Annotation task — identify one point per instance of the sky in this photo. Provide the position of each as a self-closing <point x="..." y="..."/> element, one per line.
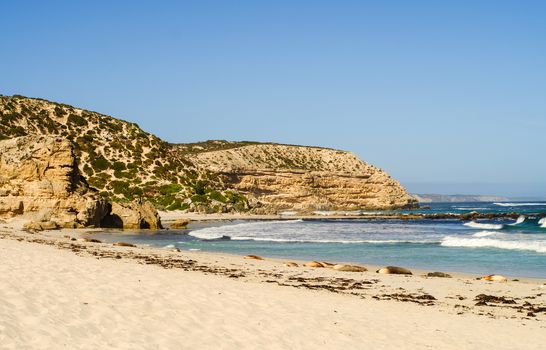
<point x="447" y="96"/>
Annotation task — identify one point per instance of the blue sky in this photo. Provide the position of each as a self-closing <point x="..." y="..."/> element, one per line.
<point x="448" y="96"/>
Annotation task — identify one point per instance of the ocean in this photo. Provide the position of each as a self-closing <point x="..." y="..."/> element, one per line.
<point x="484" y="246"/>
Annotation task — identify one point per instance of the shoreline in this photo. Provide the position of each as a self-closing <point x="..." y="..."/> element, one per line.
<point x="199" y="221"/>
<point x="184" y="286"/>
<point x="171" y="216"/>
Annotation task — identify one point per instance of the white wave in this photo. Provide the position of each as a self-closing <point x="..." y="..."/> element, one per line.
<point x="467" y="208"/>
<point x="520" y="220"/>
<point x="295" y="240"/>
<point x="506" y="204"/>
<point x="324" y="212"/>
<point x="218" y="232"/>
<point x="480" y="225"/>
<point x="194" y="249"/>
<point x="484" y="233"/>
<point x="542" y="222"/>
<point x="537" y="246"/>
<point x="169" y="246"/>
<point x="289" y="221"/>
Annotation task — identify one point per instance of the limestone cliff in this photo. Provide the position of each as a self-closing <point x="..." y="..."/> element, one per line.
<point x="39" y="178"/>
<point x="125" y="163"/>
<point x="305" y="178"/>
<point x="38" y="173"/>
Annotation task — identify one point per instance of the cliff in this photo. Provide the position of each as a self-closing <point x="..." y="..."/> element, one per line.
<point x="39" y="178"/>
<point x="304" y="178"/>
<point x="125" y="163"/>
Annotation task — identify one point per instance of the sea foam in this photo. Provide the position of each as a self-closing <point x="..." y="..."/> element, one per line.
<point x="483" y="226"/>
<point x="537" y="246"/>
<point x="520" y="220"/>
<point x="342" y="241"/>
<point x="503" y="204"/>
<point x="484" y="233"/>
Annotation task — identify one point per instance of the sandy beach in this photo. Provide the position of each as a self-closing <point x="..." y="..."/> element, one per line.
<point x="58" y="291"/>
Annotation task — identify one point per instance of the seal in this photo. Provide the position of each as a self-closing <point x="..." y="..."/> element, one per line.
<point x="123" y="244"/>
<point x="313" y="264"/>
<point x="438" y="274"/>
<point x="495" y="278"/>
<point x="394" y="270"/>
<point x="253" y="257"/>
<point x="290" y="264"/>
<point x="349" y="268"/>
<point x="327" y="264"/>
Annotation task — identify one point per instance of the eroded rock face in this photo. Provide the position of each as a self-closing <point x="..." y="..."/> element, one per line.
<point x="305" y="178"/>
<point x="40" y="173"/>
<point x="39" y="178"/>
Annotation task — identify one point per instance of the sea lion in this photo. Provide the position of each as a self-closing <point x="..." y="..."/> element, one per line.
<point x="495" y="278"/>
<point x="438" y="274"/>
<point x="290" y="264"/>
<point x="327" y="264"/>
<point x="91" y="240"/>
<point x="123" y="244"/>
<point x="253" y="257"/>
<point x="394" y="270"/>
<point x="313" y="264"/>
<point x="349" y="268"/>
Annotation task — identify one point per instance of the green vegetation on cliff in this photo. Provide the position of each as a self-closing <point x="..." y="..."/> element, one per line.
<point x="118" y="158"/>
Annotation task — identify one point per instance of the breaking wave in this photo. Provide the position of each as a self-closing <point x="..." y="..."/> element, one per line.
<point x="503" y="204"/>
<point x="224" y="232"/>
<point x="483" y="226"/>
<point x="520" y="220"/>
<point x="484" y="233"/>
<point x="536" y="246"/>
<point x="342" y="241"/>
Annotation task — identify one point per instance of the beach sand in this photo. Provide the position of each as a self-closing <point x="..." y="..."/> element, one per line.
<point x="59" y="293"/>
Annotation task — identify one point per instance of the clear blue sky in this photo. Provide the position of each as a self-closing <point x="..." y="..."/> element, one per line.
<point x="448" y="96"/>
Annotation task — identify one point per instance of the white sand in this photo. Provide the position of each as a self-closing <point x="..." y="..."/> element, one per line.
<point x="53" y="299"/>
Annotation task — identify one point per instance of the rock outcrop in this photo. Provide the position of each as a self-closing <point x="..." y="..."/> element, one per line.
<point x="39" y="173"/>
<point x="133" y="215"/>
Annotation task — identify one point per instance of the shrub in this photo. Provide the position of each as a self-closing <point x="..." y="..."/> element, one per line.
<point x="198" y="198"/>
<point x="200" y="187"/>
<point x="119" y="166"/>
<point x="100" y="163"/>
<point x="77" y="120"/>
<point x="176" y="205"/>
<point x="170" y="189"/>
<point x="217" y="196"/>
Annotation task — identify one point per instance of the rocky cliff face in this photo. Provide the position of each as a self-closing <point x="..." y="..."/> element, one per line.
<point x="304" y="178"/>
<point x="38" y="173"/>
<point x="39" y="178"/>
<point x="125" y="163"/>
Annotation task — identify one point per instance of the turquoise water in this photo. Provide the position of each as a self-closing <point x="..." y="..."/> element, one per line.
<point x="509" y="247"/>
